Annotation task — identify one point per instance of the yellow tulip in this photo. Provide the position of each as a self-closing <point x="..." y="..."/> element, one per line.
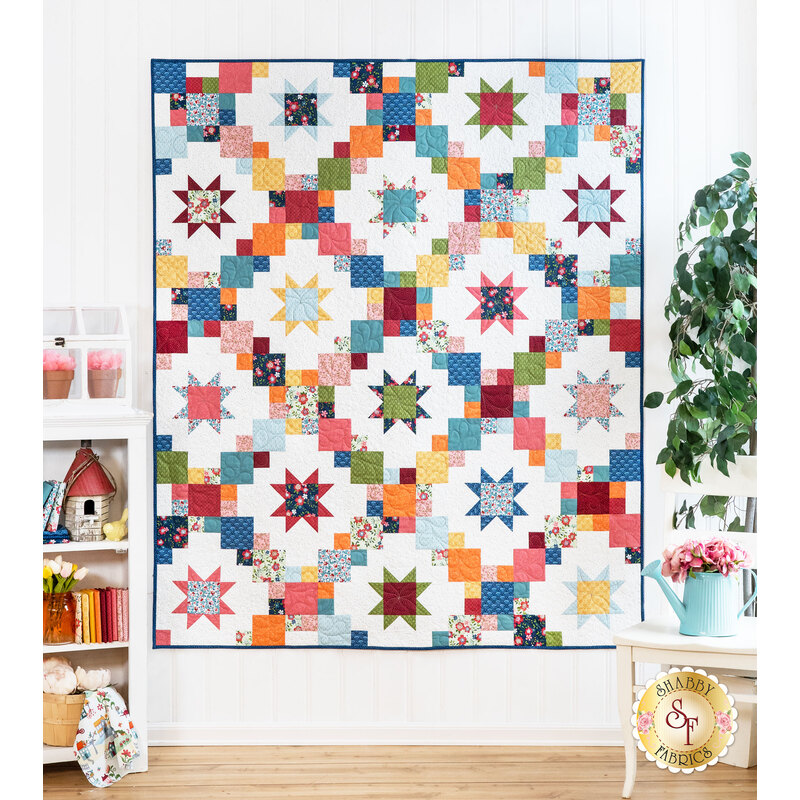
<point x="47" y="572"/>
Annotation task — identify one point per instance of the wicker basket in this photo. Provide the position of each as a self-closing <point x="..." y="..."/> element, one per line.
<point x="61" y="714"/>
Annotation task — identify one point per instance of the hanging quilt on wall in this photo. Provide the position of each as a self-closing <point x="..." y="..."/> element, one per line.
<point x="397" y="353"/>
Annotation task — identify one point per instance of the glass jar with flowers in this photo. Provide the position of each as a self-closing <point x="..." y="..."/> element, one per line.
<point x="58" y="578"/>
<point x="709" y="571"/>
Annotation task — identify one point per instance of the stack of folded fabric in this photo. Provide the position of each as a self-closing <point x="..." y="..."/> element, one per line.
<point x="58" y="536"/>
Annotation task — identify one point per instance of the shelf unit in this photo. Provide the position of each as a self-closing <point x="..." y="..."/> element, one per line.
<point x="126" y="431"/>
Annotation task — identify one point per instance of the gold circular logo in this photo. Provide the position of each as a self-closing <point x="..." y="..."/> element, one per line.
<point x="684" y="720"/>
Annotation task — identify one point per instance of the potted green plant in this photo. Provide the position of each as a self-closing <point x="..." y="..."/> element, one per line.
<point x="712" y="310"/>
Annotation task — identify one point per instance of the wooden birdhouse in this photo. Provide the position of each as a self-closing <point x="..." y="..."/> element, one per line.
<point x="90" y="488"/>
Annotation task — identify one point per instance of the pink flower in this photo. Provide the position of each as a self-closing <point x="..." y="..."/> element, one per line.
<point x="715" y="555"/>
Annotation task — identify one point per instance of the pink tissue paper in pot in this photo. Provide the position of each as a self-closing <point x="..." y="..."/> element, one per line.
<point x="105" y="359"/>
<point x="57" y="359"/>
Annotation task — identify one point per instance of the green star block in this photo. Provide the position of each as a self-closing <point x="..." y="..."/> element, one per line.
<point x="400" y="402"/>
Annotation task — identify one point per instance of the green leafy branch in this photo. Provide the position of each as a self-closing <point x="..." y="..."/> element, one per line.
<point x="712" y="308"/>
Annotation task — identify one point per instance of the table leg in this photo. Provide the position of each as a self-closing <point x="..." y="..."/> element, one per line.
<point x="625" y="682"/>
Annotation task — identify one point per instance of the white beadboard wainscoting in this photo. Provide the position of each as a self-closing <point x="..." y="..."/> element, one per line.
<point x="699" y="107"/>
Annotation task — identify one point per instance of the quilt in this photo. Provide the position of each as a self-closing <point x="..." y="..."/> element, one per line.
<point x="397" y="353"/>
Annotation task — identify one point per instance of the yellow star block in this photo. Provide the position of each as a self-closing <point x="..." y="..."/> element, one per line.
<point x="594" y="597"/>
<point x="302" y="304"/>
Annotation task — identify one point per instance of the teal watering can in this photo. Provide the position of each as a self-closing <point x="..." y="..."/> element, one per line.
<point x="710" y="600"/>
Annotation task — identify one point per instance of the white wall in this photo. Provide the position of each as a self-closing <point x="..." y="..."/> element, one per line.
<point x="700" y="106"/>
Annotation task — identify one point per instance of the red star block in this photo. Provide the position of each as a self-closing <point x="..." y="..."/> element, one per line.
<point x="194" y="196"/>
<point x="497" y="108"/>
<point x="302" y="500"/>
<point x="604" y="185"/>
<point x="204" y="402"/>
<point x="203" y="597"/>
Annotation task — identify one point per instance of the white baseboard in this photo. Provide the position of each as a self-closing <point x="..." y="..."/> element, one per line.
<point x="385" y="734"/>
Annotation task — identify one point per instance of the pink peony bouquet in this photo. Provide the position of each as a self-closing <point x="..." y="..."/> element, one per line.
<point x="105" y="359"/>
<point x="57" y="359"/>
<point x="715" y="555"/>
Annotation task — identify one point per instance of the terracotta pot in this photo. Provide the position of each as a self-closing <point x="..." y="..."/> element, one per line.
<point x="104" y="382"/>
<point x="57" y="383"/>
<point x="61" y="715"/>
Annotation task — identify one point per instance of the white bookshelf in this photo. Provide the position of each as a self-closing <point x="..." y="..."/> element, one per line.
<point x="121" y="437"/>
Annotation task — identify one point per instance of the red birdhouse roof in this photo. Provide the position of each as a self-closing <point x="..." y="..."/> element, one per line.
<point x="92" y="481"/>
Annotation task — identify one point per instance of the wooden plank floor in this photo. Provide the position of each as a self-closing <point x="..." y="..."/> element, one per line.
<point x="410" y="773"/>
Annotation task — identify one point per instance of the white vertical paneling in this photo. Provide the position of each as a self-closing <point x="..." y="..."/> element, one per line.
<point x="322" y="23"/>
<point x="159" y="686"/>
<point x="428" y="34"/>
<point x="255" y="29"/>
<point x="593" y="28"/>
<point x="722" y="108"/>
<point x="700" y="105"/>
<point x="746" y="75"/>
<point x="223" y="701"/>
<point x="355" y="29"/>
<point x="527" y="29"/>
<point x="461" y="30"/>
<point x="690" y="57"/>
<point x="660" y="167"/>
<point x="561" y="29"/>
<point x="494" y="28"/>
<point x="392" y="30"/>
<point x="625" y="28"/>
<point x="253" y="674"/>
<point x="89" y="147"/>
<point x="59" y="153"/>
